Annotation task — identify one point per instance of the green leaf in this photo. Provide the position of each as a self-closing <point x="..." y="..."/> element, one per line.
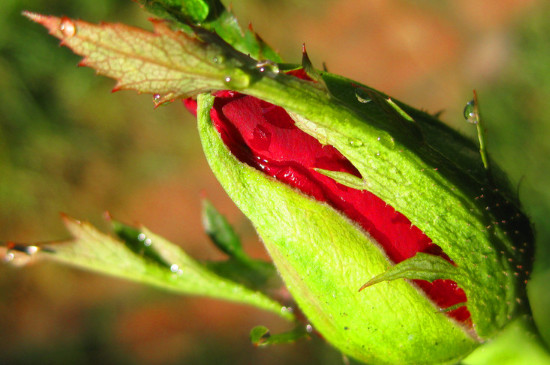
<point x="192" y="11"/>
<point x="422" y="266"/>
<point x="221" y="233"/>
<point x="261" y="336"/>
<point x="138" y="242"/>
<point x="98" y="252"/>
<point x="254" y="274"/>
<point x="166" y="63"/>
<point x="213" y="16"/>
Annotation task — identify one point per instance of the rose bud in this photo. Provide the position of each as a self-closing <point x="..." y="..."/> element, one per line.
<point x="371" y="194"/>
<point x="400" y="242"/>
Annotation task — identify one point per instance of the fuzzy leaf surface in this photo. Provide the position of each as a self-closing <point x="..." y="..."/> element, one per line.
<point x="422" y="266"/>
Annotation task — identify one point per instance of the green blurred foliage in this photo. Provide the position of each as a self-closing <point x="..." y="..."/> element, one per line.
<point x="68" y="144"/>
<point x="517" y="109"/>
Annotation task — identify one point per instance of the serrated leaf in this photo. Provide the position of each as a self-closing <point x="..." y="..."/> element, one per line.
<point x="422" y="267"/>
<point x="96" y="251"/>
<point x="169" y="64"/>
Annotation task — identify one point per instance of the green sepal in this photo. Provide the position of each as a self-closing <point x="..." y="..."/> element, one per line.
<point x="431" y="175"/>
<point x="344" y="178"/>
<point x="421" y="266"/>
<point x="324" y="259"/>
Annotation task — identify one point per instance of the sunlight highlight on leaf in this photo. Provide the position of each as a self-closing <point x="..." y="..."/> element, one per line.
<point x="169" y="63"/>
<point x="93" y="250"/>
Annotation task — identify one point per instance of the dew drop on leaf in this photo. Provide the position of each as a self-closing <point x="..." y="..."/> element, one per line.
<point x="355" y="142"/>
<point x="362" y="95"/>
<point x="176" y="269"/>
<point x="67" y="27"/>
<point x="17" y="254"/>
<point x="156" y="98"/>
<point x="470" y="112"/>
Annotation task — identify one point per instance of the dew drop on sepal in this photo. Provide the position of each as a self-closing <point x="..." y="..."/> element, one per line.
<point x="236" y="79"/>
<point x="362" y="96"/>
<point x="267" y="66"/>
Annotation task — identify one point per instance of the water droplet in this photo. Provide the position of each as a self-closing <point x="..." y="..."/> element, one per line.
<point x="362" y="95"/>
<point x="18" y="254"/>
<point x="355" y="142"/>
<point x="9" y="256"/>
<point x="236" y="79"/>
<point x="261" y="138"/>
<point x="176" y="269"/>
<point x="267" y="66"/>
<point x="67" y="27"/>
<point x="470" y="112"/>
<point x="156" y="98"/>
<point x="287" y="309"/>
<point x="309" y="328"/>
<point x="386" y="141"/>
<point x="218" y="59"/>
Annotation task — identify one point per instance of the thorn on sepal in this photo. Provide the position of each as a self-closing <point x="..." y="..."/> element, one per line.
<point x="310" y="70"/>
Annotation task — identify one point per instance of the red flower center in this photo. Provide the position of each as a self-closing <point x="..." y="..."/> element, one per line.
<point x="264" y="136"/>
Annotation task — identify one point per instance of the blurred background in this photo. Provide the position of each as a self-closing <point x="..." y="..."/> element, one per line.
<point x="67" y="144"/>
